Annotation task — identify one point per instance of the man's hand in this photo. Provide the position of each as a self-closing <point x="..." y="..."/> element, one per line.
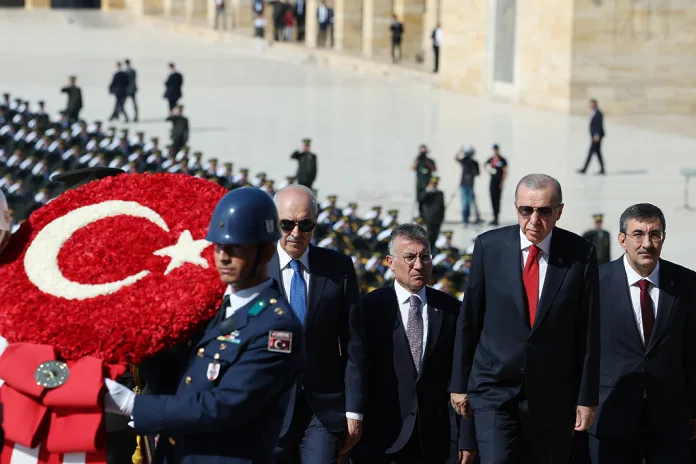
<point x="693" y="429"/>
<point x="595" y="138"/>
<point x="353" y="435"/>
<point x="460" y="403"/>
<point x="584" y="417"/>
<point x="466" y="457"/>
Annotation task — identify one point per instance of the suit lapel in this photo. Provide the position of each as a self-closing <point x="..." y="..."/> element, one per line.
<point x="665" y="304"/>
<point x="513" y="272"/>
<point x="274" y="273"/>
<point x="316" y="283"/>
<point x="434" y="325"/>
<point x="555" y="273"/>
<point x="619" y="280"/>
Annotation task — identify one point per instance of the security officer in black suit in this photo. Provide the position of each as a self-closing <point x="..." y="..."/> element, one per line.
<point x="230" y="403"/>
<point x="307" y="164"/>
<point x="74" y="105"/>
<point x="600" y="239"/>
<point x="432" y="201"/>
<point x="173" y="84"/>
<point x="596" y="135"/>
<point x="117" y="88"/>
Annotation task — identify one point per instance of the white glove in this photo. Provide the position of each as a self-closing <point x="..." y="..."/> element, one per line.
<point x="3" y="346"/>
<point x="118" y="399"/>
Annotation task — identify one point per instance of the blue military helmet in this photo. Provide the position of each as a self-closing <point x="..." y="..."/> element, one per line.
<point x="244" y="215"/>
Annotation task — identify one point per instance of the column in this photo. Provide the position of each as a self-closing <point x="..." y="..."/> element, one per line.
<point x="311" y="25"/>
<point x="167" y="8"/>
<point x="376" y="19"/>
<point x="30" y="4"/>
<point x="188" y="9"/>
<point x="367" y="27"/>
<point x="339" y="7"/>
<point x="243" y="14"/>
<point x="351" y="25"/>
<point x="431" y="17"/>
<point x="413" y="17"/>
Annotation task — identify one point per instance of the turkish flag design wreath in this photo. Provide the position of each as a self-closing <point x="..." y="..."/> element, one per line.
<point x="108" y="274"/>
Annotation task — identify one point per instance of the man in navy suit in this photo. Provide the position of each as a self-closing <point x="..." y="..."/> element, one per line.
<point x="172" y="87"/>
<point x="647" y="408"/>
<point x="324" y="417"/>
<point x="410" y="340"/>
<point x="230" y="403"/>
<point x="526" y="357"/>
<point x="597" y="135"/>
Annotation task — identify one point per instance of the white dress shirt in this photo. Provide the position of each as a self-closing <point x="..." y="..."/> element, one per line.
<point x="634" y="290"/>
<point x="403" y="297"/>
<point x="286" y="273"/>
<point x="542" y="257"/>
<point x="243" y="297"/>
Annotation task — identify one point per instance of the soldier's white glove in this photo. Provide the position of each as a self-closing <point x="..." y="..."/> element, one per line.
<point x="3" y="346"/>
<point x="118" y="399"/>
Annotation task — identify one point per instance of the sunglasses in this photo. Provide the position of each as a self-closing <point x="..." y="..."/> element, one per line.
<point x="304" y="225"/>
<point x="544" y="211"/>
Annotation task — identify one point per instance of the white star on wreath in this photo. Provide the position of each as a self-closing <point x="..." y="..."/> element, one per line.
<point x="186" y="250"/>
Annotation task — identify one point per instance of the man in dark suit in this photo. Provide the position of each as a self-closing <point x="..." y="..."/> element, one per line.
<point x="597" y="134"/>
<point x="410" y="341"/>
<point x="173" y="84"/>
<point x="132" y="88"/>
<point x="306" y="164"/>
<point x="117" y="88"/>
<point x="432" y="201"/>
<point x="180" y="128"/>
<point x="526" y="357"/>
<point x="300" y="16"/>
<point x="647" y="408"/>
<point x="324" y="417"/>
<point x="74" y="105"/>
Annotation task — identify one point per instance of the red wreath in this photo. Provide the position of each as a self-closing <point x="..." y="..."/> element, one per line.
<point x="139" y="320"/>
<point x="107" y="274"/>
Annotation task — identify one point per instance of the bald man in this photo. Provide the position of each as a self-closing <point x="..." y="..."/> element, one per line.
<point x="324" y="417"/>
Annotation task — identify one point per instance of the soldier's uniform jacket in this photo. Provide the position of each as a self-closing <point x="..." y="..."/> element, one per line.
<point x="602" y="242"/>
<point x="231" y="400"/>
<point x="307" y="167"/>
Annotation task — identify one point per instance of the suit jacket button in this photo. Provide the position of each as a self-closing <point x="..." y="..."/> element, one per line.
<point x="188" y="380"/>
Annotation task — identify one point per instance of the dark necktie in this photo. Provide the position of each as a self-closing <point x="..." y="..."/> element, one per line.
<point x="646" y="310"/>
<point x="414" y="331"/>
<point x="530" y="277"/>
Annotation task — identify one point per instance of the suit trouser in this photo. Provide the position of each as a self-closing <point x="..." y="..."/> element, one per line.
<point x="433" y="230"/>
<point x="135" y="103"/>
<point x="436" y="54"/>
<point x="652" y="445"/>
<point x="495" y="200"/>
<point x="172" y="102"/>
<point x="506" y="436"/>
<point x="595" y="148"/>
<point x="396" y="45"/>
<point x="411" y="453"/>
<point x="307" y="441"/>
<point x="118" y="107"/>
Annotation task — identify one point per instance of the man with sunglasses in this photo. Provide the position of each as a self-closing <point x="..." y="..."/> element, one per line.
<point x="526" y="359"/>
<point x="647" y="410"/>
<point x="324" y="417"/>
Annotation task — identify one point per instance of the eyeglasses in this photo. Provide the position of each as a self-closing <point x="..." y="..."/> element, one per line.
<point x="639" y="236"/>
<point x="409" y="259"/>
<point x="304" y="225"/>
<point x="543" y="211"/>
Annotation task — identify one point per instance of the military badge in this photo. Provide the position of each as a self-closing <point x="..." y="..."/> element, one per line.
<point x="230" y="337"/>
<point x="213" y="371"/>
<point x="280" y="342"/>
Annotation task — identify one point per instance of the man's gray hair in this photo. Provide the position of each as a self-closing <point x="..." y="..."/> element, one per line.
<point x="410" y="232"/>
<point x="313" y="198"/>
<point x="541" y="182"/>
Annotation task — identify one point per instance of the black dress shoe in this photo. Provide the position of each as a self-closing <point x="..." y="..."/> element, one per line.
<point x="580" y="171"/>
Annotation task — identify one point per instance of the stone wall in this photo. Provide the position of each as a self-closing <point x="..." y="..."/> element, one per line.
<point x="635" y="56"/>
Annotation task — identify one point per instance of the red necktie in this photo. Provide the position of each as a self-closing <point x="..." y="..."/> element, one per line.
<point x="646" y="310"/>
<point x="530" y="277"/>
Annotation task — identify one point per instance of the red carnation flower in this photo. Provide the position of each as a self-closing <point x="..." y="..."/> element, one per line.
<point x="117" y="269"/>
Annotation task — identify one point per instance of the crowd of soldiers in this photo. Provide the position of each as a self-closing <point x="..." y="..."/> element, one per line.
<point x="34" y="148"/>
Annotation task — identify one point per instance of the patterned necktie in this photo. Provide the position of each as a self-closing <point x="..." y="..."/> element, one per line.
<point x="646" y="310"/>
<point x="414" y="330"/>
<point x="298" y="291"/>
<point x="530" y="277"/>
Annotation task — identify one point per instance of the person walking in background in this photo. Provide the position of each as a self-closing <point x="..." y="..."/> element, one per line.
<point x="496" y="166"/>
<point x="132" y="88"/>
<point x="526" y="354"/>
<point x="260" y="31"/>
<point x="597" y="135"/>
<point x="324" y="21"/>
<point x="437" y="41"/>
<point x="397" y="31"/>
<point x="424" y="168"/>
<point x="117" y="88"/>
<point x="173" y="84"/>
<point x="470" y="170"/>
<point x="289" y="22"/>
<point x="74" y="105"/>
<point x="306" y="164"/>
<point x="300" y="15"/>
<point x="220" y="15"/>
<point x="647" y="409"/>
